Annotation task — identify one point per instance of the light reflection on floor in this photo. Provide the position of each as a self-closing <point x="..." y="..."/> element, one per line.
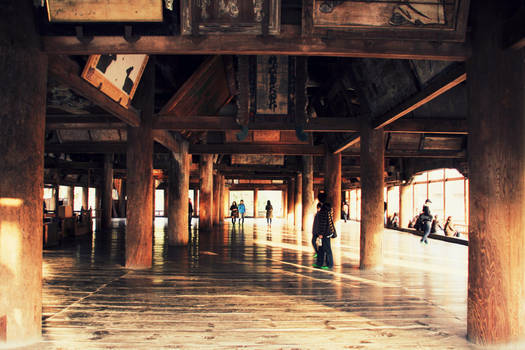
<point x="253" y="286"/>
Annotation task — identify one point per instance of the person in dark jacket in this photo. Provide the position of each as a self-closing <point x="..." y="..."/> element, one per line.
<point x="190" y="213"/>
<point x="426" y="221"/>
<point x="234" y="211"/>
<point x="269" y="213"/>
<point x="324" y="230"/>
<point x="314" y="237"/>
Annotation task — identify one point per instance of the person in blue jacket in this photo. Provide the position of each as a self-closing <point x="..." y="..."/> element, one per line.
<point x="242" y="211"/>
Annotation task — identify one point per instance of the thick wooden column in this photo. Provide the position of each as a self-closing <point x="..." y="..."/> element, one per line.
<point x="178" y="195"/>
<point x="23" y="73"/>
<point x="291" y="201"/>
<point x="206" y="193"/>
<point x="220" y="202"/>
<point x="216" y="195"/>
<point x="372" y="201"/>
<point x="405" y="205"/>
<point x="332" y="183"/>
<point x="496" y="158"/>
<point x="298" y="214"/>
<point x="255" y="199"/>
<point x="139" y="210"/>
<point x="85" y="198"/>
<point x="226" y="201"/>
<point x="107" y="192"/>
<point x="71" y="196"/>
<point x="308" y="193"/>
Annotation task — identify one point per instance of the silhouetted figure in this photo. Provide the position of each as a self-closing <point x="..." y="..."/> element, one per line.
<point x="269" y="213"/>
<point x="324" y="231"/>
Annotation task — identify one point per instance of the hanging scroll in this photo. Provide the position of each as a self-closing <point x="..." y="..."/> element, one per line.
<point x="272" y="85"/>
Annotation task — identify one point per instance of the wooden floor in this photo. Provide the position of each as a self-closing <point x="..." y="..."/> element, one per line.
<point x="254" y="288"/>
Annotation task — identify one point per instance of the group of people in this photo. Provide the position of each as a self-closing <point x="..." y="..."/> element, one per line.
<point x="238" y="211"/>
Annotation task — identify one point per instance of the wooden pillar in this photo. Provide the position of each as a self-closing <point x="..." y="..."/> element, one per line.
<point x="255" y="199"/>
<point x="23" y="73"/>
<point x="298" y="214"/>
<point x="216" y="194"/>
<point x="56" y="197"/>
<point x="107" y="192"/>
<point x="85" y="198"/>
<point x="372" y="201"/>
<point x="308" y="193"/>
<point x="166" y="201"/>
<point x="226" y="201"/>
<point x="206" y="193"/>
<point x="284" y="194"/>
<point x="178" y="197"/>
<point x="220" y="202"/>
<point x="71" y="197"/>
<point x="291" y="203"/>
<point x="139" y="211"/>
<point x="332" y="183"/>
<point x="496" y="158"/>
<point x="405" y="205"/>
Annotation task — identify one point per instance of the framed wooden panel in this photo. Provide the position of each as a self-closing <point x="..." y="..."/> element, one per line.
<point x="255" y="159"/>
<point x="272" y="85"/>
<point x="230" y="16"/>
<point x="117" y="76"/>
<point x="416" y="19"/>
<point x="104" y="11"/>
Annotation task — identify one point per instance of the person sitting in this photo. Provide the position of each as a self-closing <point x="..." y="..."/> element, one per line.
<point x="412" y="223"/>
<point x="394" y="221"/>
<point x="449" y="228"/>
<point x="436" y="226"/>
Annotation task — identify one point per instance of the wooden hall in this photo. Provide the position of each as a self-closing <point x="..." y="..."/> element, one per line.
<point x="113" y="113"/>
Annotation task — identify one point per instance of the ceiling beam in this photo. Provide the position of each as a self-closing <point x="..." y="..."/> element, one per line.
<point x="86" y="147"/>
<point x="348" y="143"/>
<point x="83" y="122"/>
<point x="218" y="123"/>
<point x="445" y="81"/>
<point x="289" y="42"/>
<point x="67" y="72"/>
<point x="414" y="154"/>
<point x="166" y="139"/>
<point x="249" y="148"/>
<point x="429" y="126"/>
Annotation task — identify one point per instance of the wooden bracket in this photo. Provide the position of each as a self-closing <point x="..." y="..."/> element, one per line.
<point x="128" y="34"/>
<point x="79" y="30"/>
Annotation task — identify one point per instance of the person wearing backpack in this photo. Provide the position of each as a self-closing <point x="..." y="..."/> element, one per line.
<point x="324" y="230"/>
<point x="426" y="221"/>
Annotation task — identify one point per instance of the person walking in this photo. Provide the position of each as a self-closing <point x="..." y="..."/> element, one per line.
<point x="314" y="236"/>
<point x="269" y="213"/>
<point x="234" y="211"/>
<point x="242" y="211"/>
<point x="425" y="219"/>
<point x="324" y="231"/>
<point x="190" y="213"/>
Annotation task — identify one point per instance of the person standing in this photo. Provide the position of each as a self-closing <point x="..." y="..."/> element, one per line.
<point x="324" y="229"/>
<point x="269" y="213"/>
<point x="234" y="211"/>
<point x="426" y="221"/>
<point x="346" y="211"/>
<point x="242" y="211"/>
<point x="314" y="236"/>
<point x="190" y="213"/>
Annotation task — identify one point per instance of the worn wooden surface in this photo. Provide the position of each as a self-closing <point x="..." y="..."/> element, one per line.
<point x="206" y="192"/>
<point x="372" y="197"/>
<point x="497" y="188"/>
<point x="255" y="288"/>
<point x="23" y="72"/>
<point x="178" y="187"/>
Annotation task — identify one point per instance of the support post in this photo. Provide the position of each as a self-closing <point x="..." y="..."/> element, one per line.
<point x="139" y="211"/>
<point x="178" y="197"/>
<point x="332" y="184"/>
<point x="23" y="73"/>
<point x="255" y="199"/>
<point x="405" y="205"/>
<point x="291" y="201"/>
<point x="220" y="202"/>
<point x="85" y="198"/>
<point x="496" y="159"/>
<point x="372" y="201"/>
<point x="298" y="215"/>
<point x="107" y="192"/>
<point x="216" y="195"/>
<point x="206" y="193"/>
<point x="308" y="192"/>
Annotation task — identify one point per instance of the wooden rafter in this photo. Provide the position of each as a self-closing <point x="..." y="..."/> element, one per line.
<point x="290" y="42"/>
<point x="429" y="126"/>
<point x="438" y="86"/>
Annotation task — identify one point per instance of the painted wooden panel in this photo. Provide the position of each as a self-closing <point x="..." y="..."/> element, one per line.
<point x="117" y="76"/>
<point x="104" y="11"/>
<point x="385" y="13"/>
<point x="272" y="85"/>
<point x="204" y="93"/>
<point x="230" y="16"/>
<point x="257" y="159"/>
<point x="264" y="136"/>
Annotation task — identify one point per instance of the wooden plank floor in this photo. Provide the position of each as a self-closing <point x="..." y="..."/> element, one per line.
<point x="255" y="288"/>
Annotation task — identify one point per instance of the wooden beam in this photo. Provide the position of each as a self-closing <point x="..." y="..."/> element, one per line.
<point x="415" y="154"/>
<point x="86" y="147"/>
<point x="66" y="72"/>
<point x="514" y="31"/>
<point x="83" y="122"/>
<point x="439" y="85"/>
<point x="216" y="123"/>
<point x="349" y="143"/>
<point x="166" y="139"/>
<point x="290" y="42"/>
<point x="237" y="148"/>
<point x="429" y="126"/>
